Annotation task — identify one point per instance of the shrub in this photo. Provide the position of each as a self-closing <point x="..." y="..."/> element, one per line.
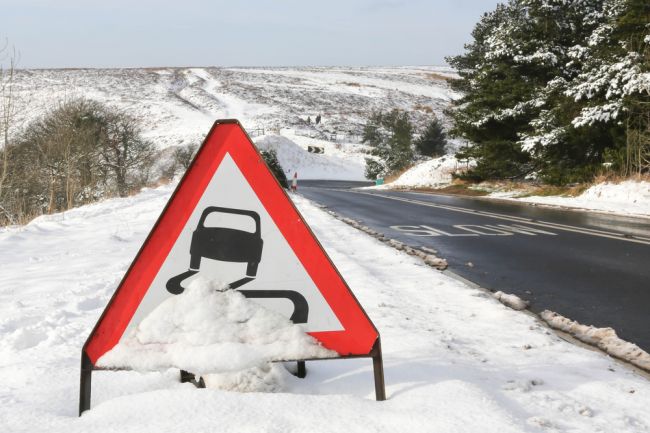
<point x="271" y="159"/>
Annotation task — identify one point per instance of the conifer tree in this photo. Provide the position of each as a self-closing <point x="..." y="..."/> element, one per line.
<point x="390" y="136"/>
<point x="546" y="83"/>
<point x="433" y="140"/>
<point x="491" y="82"/>
<point x="612" y="90"/>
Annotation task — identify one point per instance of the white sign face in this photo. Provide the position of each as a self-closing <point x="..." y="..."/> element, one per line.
<point x="278" y="269"/>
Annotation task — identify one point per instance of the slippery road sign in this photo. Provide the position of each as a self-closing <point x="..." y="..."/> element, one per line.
<point x="230" y="219"/>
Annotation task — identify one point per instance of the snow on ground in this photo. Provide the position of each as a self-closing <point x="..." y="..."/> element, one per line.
<point x="629" y="197"/>
<point x="341" y="80"/>
<point x="456" y="359"/>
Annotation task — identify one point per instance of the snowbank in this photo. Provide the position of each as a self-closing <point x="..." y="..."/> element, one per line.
<point x="604" y="338"/>
<point x="512" y="301"/>
<point x="294" y="158"/>
<point x="455" y="360"/>
<point x="433" y="173"/>
<point x="629" y="197"/>
<point x="211" y="329"/>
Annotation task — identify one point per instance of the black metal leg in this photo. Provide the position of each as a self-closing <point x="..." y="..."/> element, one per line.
<point x="302" y="370"/>
<point x="186" y="376"/>
<point x="85" y="383"/>
<point x="378" y="368"/>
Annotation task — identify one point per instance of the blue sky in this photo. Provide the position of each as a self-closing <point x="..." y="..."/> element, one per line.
<point x="121" y="33"/>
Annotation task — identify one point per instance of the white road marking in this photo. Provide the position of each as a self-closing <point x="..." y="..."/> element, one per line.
<point x="417" y="230"/>
<point x="450" y="234"/>
<point x="523" y="230"/>
<point x="483" y="230"/>
<point x="474" y="230"/>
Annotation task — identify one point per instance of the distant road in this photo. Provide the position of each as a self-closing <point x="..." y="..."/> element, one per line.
<point x="590" y="267"/>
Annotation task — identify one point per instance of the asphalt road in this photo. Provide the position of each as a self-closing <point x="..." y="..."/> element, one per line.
<point x="590" y="267"/>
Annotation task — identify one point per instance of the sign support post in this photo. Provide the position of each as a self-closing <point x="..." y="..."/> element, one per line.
<point x="378" y="370"/>
<point x="85" y="383"/>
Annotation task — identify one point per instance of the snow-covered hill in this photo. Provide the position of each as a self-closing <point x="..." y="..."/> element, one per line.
<point x="177" y="106"/>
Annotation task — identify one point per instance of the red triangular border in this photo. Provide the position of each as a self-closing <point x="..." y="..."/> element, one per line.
<point x="359" y="333"/>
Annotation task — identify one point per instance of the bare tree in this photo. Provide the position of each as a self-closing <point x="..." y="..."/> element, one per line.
<point x="7" y="112"/>
<point x="183" y="155"/>
<point x="124" y="152"/>
<point x="77" y="153"/>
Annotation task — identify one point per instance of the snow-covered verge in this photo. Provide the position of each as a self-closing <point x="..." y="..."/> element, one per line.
<point x="456" y="360"/>
<point x="629" y="197"/>
<point x="433" y="173"/>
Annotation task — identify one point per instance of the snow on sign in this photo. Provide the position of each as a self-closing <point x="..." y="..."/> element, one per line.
<point x="231" y="223"/>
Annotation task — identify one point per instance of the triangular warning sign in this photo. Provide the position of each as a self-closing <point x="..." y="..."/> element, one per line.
<point x="229" y="218"/>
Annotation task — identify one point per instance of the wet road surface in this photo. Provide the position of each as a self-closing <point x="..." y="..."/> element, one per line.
<point x="590" y="267"/>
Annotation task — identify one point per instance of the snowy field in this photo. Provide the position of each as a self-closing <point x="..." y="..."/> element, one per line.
<point x="456" y="359"/>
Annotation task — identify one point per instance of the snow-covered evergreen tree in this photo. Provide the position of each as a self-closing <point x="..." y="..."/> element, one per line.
<point x="546" y="82"/>
<point x="613" y="87"/>
<point x="389" y="135"/>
